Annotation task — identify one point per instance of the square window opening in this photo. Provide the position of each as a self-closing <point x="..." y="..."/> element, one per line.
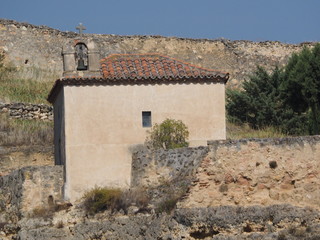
<point x="146" y="119"/>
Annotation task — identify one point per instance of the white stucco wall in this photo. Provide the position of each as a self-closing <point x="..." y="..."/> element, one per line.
<point x="103" y="122"/>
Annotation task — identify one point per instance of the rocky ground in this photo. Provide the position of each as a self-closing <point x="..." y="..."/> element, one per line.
<point x="225" y="222"/>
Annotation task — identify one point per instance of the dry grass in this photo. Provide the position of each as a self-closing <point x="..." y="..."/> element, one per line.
<point x="23" y="85"/>
<point x="244" y="131"/>
<point x="101" y="199"/>
<point x="15" y="132"/>
<point x="21" y="90"/>
<point x="44" y="212"/>
<point x="60" y="224"/>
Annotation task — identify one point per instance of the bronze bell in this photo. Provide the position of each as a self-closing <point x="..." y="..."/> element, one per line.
<point x="81" y="65"/>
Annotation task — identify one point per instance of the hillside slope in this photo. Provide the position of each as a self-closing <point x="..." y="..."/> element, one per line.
<point x="36" y="50"/>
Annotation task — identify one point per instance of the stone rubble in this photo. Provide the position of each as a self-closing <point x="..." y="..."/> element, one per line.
<point x="27" y="111"/>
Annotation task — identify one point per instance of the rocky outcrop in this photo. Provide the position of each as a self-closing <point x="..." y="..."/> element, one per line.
<point x="27" y="188"/>
<point x="36" y="50"/>
<point x="218" y="223"/>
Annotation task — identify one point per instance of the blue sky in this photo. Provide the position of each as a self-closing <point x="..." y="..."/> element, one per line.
<point x="291" y="21"/>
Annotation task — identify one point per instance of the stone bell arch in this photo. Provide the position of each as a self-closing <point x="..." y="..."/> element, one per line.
<point x="81" y="58"/>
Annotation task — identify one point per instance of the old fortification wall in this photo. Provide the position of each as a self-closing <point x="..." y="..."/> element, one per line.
<point x="241" y="172"/>
<point x="36" y="50"/>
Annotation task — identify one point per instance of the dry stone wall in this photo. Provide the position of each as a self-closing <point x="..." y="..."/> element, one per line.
<point x="36" y="50"/>
<point x="27" y="111"/>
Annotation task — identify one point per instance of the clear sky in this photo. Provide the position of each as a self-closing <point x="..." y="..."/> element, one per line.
<point x="291" y="21"/>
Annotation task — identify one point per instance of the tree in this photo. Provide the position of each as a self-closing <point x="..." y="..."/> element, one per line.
<point x="287" y="99"/>
<point x="258" y="103"/>
<point x="301" y="86"/>
<point x="168" y="135"/>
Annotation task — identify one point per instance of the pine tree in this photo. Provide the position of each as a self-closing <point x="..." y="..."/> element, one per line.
<point x="258" y="103"/>
<point x="301" y="86"/>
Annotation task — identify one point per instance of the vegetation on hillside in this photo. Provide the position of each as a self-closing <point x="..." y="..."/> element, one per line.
<point x="286" y="100"/>
<point x="15" y="132"/>
<point x="239" y="131"/>
<point x="13" y="89"/>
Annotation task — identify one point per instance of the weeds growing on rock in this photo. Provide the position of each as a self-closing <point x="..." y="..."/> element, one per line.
<point x="100" y="199"/>
<point x="60" y="224"/>
<point x="44" y="212"/>
<point x="167" y="205"/>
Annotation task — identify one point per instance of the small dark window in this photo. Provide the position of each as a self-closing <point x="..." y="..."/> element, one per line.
<point x="146" y="119"/>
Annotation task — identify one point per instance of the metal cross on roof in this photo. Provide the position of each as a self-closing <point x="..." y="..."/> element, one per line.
<point x="80" y="28"/>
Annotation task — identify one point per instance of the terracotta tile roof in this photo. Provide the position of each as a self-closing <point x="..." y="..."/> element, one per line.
<point x="141" y="69"/>
<point x="153" y="66"/>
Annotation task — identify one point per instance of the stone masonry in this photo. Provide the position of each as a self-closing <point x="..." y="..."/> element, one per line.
<point x="258" y="172"/>
<point x="27" y="111"/>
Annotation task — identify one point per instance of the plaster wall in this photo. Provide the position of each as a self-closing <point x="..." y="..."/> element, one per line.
<point x="103" y="124"/>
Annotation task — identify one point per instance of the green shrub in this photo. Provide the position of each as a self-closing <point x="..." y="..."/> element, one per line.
<point x="100" y="199"/>
<point x="168" y="135"/>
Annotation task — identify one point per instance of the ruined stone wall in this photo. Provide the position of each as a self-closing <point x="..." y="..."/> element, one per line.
<point x="240" y="172"/>
<point x="153" y="168"/>
<point x="27" y="188"/>
<point x="27" y="111"/>
<point x="36" y="50"/>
